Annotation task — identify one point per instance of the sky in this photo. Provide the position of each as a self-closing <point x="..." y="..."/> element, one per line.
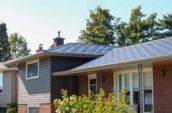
<point x="39" y="20"/>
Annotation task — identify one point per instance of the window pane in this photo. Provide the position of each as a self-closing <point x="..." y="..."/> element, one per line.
<point x="148" y="100"/>
<point x="33" y="69"/>
<point x="135" y="81"/>
<point x="92" y="85"/>
<point x="3" y="109"/>
<point x="33" y="110"/>
<point x="147" y="78"/>
<point x="1" y="82"/>
<point x="127" y="81"/>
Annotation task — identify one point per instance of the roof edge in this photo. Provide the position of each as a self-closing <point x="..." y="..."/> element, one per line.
<point x="109" y="66"/>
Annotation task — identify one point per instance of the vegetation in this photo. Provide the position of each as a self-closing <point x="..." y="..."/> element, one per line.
<point x="98" y="103"/>
<point x="12" y="108"/>
<point x="104" y="28"/>
<point x="11" y="47"/>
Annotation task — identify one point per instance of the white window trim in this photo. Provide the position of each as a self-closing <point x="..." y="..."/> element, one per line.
<point x="32" y="105"/>
<point x="31" y="62"/>
<point x="149" y="69"/>
<point x="91" y="76"/>
<point x="2" y="84"/>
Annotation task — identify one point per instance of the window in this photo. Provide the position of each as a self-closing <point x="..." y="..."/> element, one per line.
<point x="92" y="86"/>
<point x="1" y="83"/>
<point x="33" y="109"/>
<point x="129" y="79"/>
<point x="3" y="109"/>
<point x="32" y="69"/>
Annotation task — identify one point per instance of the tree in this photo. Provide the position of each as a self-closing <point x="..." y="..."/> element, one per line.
<point x="165" y="25"/>
<point x="18" y="46"/>
<point x="99" y="28"/>
<point x="4" y="45"/>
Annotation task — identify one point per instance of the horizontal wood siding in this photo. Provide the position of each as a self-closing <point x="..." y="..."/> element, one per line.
<point x="9" y="93"/>
<point x="34" y="90"/>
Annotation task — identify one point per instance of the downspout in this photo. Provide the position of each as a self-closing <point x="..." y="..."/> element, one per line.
<point x="140" y="78"/>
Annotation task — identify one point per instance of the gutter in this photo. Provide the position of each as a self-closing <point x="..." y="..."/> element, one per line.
<point x="110" y="66"/>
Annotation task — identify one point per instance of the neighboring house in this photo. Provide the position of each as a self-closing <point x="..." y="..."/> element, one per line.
<point x="145" y="70"/>
<point x="37" y="87"/>
<point x="8" y="86"/>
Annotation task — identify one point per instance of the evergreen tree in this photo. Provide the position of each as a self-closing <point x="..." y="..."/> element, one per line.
<point x="18" y="46"/>
<point x="165" y="26"/>
<point x="99" y="28"/>
<point x="4" y="45"/>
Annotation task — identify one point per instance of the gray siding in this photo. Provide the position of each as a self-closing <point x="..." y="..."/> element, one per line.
<point x="9" y="93"/>
<point x="34" y="91"/>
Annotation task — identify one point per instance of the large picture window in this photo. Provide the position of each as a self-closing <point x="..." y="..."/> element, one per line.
<point x="32" y="69"/>
<point x="129" y="79"/>
<point x="3" y="110"/>
<point x="1" y="83"/>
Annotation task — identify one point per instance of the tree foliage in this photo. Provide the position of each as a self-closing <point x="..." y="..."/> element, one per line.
<point x="99" y="28"/>
<point x="18" y="46"/>
<point x="4" y="45"/>
<point x="140" y="28"/>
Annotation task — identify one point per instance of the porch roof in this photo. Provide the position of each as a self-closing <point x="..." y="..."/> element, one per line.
<point x="140" y="53"/>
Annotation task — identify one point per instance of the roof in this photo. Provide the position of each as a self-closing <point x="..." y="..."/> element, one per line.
<point x="139" y="52"/>
<point x="4" y="68"/>
<point x="69" y="50"/>
<point x="84" y="49"/>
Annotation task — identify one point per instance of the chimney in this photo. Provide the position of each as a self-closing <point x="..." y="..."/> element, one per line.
<point x="40" y="48"/>
<point x="58" y="40"/>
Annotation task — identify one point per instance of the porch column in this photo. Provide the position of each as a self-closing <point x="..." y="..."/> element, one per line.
<point x="140" y="77"/>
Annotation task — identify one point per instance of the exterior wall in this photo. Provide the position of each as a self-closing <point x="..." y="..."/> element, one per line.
<point x="45" y="108"/>
<point x="34" y="91"/>
<point x="83" y="84"/>
<point x="22" y="108"/>
<point x="9" y="88"/>
<point x="162" y="89"/>
<point x="64" y="82"/>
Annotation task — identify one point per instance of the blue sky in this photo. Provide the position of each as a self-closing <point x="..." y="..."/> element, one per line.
<point x="39" y="20"/>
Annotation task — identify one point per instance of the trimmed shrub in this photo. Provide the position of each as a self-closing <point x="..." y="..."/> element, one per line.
<point x="12" y="108"/>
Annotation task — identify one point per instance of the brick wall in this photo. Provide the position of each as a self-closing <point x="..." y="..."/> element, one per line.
<point x="22" y="108"/>
<point x="83" y="84"/>
<point x="107" y="81"/>
<point x="45" y="108"/>
<point x="162" y="89"/>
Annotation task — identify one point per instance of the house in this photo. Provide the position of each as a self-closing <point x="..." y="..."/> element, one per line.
<point x="37" y="87"/>
<point x="145" y="70"/>
<point x="8" y="86"/>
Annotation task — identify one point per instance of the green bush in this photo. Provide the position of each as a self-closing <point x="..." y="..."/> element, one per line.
<point x="93" y="103"/>
<point x="12" y="108"/>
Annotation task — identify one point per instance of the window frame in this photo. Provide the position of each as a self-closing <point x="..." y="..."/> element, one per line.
<point x="131" y="71"/>
<point x="32" y="106"/>
<point x="28" y="63"/>
<point x="91" y="76"/>
<point x="2" y="84"/>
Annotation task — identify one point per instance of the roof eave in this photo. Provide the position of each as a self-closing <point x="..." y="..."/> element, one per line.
<point x="109" y="66"/>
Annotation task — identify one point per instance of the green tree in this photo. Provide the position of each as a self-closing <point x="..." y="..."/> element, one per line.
<point x="18" y="46"/>
<point x="4" y="45"/>
<point x="141" y="28"/>
<point x="165" y="25"/>
<point x="99" y="28"/>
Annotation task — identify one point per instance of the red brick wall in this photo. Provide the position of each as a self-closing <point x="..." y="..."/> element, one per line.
<point x="22" y="108"/>
<point x="162" y="89"/>
<point x="83" y="84"/>
<point x="45" y="108"/>
<point x="107" y="84"/>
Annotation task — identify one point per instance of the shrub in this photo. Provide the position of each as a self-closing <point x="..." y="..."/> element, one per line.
<point x="93" y="103"/>
<point x="12" y="108"/>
